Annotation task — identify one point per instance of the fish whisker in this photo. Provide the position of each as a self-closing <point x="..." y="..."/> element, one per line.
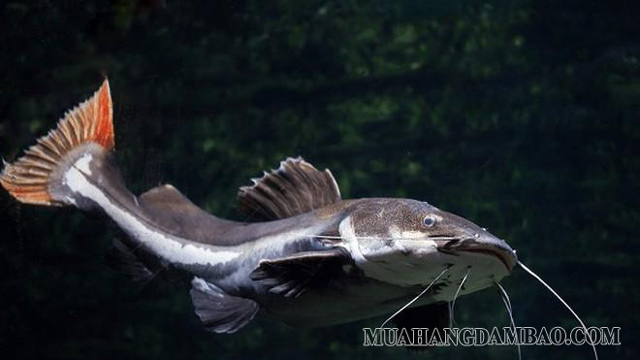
<point x="415" y="298"/>
<point x="507" y="303"/>
<point x="455" y="296"/>
<point x="586" y="332"/>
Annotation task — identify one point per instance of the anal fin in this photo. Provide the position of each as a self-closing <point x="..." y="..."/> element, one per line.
<point x="123" y="259"/>
<point x="219" y="311"/>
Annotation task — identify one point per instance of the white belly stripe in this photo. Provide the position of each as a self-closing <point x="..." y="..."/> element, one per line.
<point x="169" y="248"/>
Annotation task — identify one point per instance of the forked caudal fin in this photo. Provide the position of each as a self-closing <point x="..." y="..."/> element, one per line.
<point x="36" y="177"/>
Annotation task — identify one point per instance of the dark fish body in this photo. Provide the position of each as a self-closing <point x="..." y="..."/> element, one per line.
<point x="312" y="259"/>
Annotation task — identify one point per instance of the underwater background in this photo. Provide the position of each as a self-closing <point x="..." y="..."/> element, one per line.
<point x="522" y="116"/>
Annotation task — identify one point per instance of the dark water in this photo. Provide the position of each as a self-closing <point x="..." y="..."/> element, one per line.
<point x="522" y="116"/>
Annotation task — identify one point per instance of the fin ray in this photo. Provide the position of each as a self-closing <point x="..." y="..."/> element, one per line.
<point x="294" y="188"/>
<point x="123" y="259"/>
<point x="91" y="121"/>
<point x="219" y="311"/>
<point x="292" y="275"/>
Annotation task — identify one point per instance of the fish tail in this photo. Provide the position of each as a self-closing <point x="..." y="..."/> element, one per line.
<point x="38" y="176"/>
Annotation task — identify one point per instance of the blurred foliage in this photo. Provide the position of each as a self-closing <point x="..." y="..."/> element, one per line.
<point x="519" y="115"/>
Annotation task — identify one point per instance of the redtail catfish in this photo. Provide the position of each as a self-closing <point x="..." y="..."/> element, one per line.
<point x="312" y="259"/>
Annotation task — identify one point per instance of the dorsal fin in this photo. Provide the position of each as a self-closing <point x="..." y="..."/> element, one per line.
<point x="172" y="212"/>
<point x="294" y="188"/>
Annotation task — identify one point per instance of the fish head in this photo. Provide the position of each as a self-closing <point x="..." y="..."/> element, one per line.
<point x="409" y="243"/>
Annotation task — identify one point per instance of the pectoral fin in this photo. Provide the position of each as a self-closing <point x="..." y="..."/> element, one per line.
<point x="219" y="311"/>
<point x="292" y="275"/>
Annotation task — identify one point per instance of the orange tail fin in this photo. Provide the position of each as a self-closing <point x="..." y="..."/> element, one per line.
<point x="28" y="178"/>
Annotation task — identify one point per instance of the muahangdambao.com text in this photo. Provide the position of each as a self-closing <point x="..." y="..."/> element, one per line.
<point x="524" y="336"/>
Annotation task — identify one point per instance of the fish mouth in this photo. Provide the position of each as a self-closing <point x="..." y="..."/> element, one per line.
<point x="508" y="258"/>
<point x="498" y="249"/>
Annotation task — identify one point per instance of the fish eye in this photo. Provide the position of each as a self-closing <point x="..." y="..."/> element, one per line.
<point x="428" y="221"/>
